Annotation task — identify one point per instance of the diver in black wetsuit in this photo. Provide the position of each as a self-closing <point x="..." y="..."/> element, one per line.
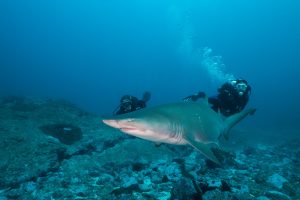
<point x="232" y="98"/>
<point x="130" y="103"/>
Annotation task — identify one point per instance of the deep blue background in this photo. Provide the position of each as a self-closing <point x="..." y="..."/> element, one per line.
<point x="93" y="52"/>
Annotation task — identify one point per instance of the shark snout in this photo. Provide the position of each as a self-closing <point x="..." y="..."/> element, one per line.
<point x="111" y="122"/>
<point x="124" y="124"/>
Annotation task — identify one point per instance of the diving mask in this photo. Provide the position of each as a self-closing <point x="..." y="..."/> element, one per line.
<point x="241" y="88"/>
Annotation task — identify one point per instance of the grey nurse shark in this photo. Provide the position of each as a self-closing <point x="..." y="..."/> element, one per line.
<point x="192" y="123"/>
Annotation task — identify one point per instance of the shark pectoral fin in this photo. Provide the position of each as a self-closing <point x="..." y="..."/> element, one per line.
<point x="204" y="149"/>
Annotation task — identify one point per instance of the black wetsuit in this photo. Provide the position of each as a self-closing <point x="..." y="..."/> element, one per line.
<point x="228" y="101"/>
<point x="132" y="104"/>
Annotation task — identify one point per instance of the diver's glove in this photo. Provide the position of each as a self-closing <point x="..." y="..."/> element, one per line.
<point x="194" y="97"/>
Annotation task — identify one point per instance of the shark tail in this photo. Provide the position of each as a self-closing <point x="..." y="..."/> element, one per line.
<point x="236" y="118"/>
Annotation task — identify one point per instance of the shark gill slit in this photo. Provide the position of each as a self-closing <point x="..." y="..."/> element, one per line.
<point x="177" y="131"/>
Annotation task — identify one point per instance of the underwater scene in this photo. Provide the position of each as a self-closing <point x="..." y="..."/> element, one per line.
<point x="150" y="100"/>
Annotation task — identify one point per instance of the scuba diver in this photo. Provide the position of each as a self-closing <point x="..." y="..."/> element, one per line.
<point x="232" y="97"/>
<point x="130" y="103"/>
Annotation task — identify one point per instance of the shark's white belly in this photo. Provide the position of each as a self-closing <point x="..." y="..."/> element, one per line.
<point x="162" y="137"/>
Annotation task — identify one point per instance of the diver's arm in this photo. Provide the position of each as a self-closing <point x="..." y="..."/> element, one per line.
<point x="194" y="97"/>
<point x="215" y="102"/>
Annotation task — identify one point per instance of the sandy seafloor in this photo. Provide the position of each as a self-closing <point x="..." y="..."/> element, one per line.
<point x="43" y="158"/>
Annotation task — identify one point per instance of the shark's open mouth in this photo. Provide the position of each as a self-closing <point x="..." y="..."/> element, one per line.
<point x="132" y="129"/>
<point x="127" y="129"/>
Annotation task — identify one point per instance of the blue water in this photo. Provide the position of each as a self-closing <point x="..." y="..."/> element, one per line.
<point x="93" y="52"/>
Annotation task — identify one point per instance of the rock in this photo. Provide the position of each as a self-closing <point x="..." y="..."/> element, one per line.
<point x="262" y="198"/>
<point x="184" y="189"/>
<point x="104" y="179"/>
<point x="250" y="151"/>
<point x="147" y="184"/>
<point x="157" y="178"/>
<point x="276" y="180"/>
<point x="172" y="171"/>
<point x="225" y="186"/>
<point x="157" y="195"/>
<point x="128" y="190"/>
<point x="14" y="193"/>
<point x="29" y="186"/>
<point x="262" y="147"/>
<point x="217" y="194"/>
<point x="80" y="190"/>
<point x="244" y="189"/>
<point x="275" y="195"/>
<point x="129" y="181"/>
<point x="65" y="133"/>
<point x="214" y="183"/>
<point x="289" y="189"/>
<point x="192" y="162"/>
<point x="138" y="166"/>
